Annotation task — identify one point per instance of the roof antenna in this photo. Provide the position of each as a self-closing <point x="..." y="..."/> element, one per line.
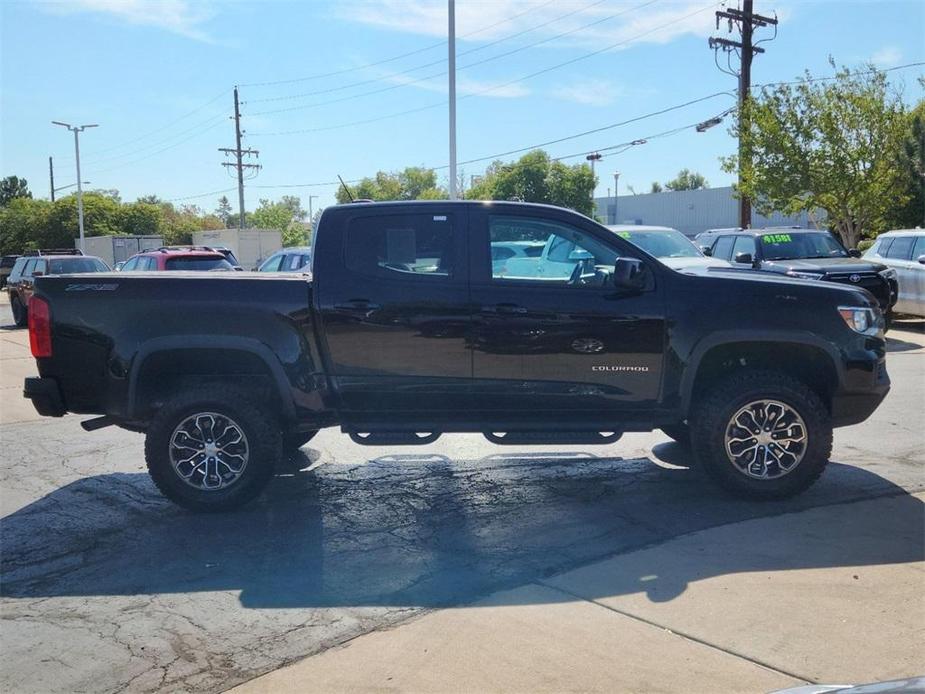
<point x="346" y="189"/>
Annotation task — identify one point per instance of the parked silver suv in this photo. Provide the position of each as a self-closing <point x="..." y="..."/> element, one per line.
<point x="904" y="251"/>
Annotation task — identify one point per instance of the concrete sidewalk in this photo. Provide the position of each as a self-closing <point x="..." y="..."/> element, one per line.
<point x="699" y="613"/>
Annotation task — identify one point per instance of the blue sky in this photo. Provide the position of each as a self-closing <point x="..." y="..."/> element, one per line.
<point x="157" y="77"/>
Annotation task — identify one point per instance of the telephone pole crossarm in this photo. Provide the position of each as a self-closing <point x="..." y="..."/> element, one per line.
<point x="238" y="163"/>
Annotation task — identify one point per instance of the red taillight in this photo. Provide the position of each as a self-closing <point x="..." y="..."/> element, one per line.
<point x="39" y="327"/>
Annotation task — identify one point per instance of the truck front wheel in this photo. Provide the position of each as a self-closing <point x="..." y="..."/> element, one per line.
<point x="210" y="449"/>
<point x="762" y="434"/>
<point x="20" y="313"/>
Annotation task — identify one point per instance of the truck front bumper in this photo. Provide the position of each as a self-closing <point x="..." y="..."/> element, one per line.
<point x="45" y="396"/>
<point x="867" y="385"/>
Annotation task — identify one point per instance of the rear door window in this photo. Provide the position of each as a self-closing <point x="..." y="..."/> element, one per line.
<point x="41" y="268"/>
<point x="29" y="268"/>
<point x="900" y="249"/>
<point x="407" y="245"/>
<point x="723" y="247"/>
<point x="272" y="263"/>
<point x="919" y="248"/>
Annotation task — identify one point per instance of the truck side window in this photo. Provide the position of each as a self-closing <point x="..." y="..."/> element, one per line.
<point x="27" y="270"/>
<point x="415" y="244"/>
<point x="534" y="250"/>
<point x="901" y="248"/>
<point x="744" y="244"/>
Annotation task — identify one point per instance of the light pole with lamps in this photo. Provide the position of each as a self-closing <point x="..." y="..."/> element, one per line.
<point x="616" y="181"/>
<point x="77" y="129"/>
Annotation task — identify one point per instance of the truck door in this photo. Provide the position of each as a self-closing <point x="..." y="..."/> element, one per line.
<point x="394" y="305"/>
<point x="562" y="340"/>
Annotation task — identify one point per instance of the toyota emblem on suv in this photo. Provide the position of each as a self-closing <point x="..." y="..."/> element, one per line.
<point x="855" y="278"/>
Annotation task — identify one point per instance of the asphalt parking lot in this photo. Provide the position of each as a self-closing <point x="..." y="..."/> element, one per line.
<point x="107" y="587"/>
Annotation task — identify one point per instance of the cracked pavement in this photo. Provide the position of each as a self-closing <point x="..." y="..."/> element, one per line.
<point x="107" y="587"/>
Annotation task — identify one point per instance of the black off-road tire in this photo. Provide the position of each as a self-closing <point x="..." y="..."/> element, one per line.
<point x="713" y="412"/>
<point x="679" y="432"/>
<point x="20" y="312"/>
<point x="294" y="440"/>
<point x="260" y="426"/>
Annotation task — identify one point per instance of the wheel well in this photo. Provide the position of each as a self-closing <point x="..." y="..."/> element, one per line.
<point x="810" y="365"/>
<point x="164" y="374"/>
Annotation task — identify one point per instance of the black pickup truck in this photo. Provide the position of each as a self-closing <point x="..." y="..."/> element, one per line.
<point x="410" y="327"/>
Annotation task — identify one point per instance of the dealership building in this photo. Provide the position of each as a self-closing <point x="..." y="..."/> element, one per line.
<point x="689" y="211"/>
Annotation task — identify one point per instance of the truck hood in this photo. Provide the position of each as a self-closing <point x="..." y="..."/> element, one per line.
<point x="827" y="265"/>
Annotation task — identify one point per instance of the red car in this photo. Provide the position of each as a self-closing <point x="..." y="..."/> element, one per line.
<point x="177" y="258"/>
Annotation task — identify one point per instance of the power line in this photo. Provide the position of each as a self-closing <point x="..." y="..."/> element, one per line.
<point x="200" y="195"/>
<point x="429" y="47"/>
<point x="441" y="73"/>
<point x="163" y="127"/>
<point x="201" y="127"/>
<point x="442" y="61"/>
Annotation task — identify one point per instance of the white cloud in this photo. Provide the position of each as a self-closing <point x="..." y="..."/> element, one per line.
<point x="588" y="93"/>
<point x="888" y="56"/>
<point x="177" y="16"/>
<point x="465" y="86"/>
<point x="485" y="21"/>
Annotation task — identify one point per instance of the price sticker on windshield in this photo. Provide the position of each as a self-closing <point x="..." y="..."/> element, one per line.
<point x="776" y="238"/>
<point x="623" y="234"/>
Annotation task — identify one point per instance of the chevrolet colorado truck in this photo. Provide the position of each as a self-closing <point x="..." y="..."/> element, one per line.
<point x="405" y="330"/>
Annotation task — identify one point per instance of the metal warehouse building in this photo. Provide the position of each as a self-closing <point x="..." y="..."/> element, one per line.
<point x="689" y="211"/>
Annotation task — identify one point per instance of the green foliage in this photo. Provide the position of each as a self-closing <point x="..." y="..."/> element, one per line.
<point x="685" y="180"/>
<point x="23" y="225"/>
<point x="13" y="187"/>
<point x="864" y="244"/>
<point x="224" y="211"/>
<point x="414" y="183"/>
<point x="536" y="178"/>
<point x="656" y="187"/>
<point x="832" y="145"/>
<point x="141" y="219"/>
<point x="912" y="167"/>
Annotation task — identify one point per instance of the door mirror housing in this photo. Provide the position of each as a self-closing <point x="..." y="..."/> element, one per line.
<point x="922" y="259"/>
<point x="744" y="258"/>
<point x="38" y="273"/>
<point x="706" y="250"/>
<point x="854" y="253"/>
<point x="629" y="273"/>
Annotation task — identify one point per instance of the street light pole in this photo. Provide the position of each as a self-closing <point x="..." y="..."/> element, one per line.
<point x="451" y="59"/>
<point x="77" y="129"/>
<point x="616" y="181"/>
<point x="593" y="157"/>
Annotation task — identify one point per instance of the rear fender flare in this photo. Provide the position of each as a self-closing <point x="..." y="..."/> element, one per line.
<point x="224" y="342"/>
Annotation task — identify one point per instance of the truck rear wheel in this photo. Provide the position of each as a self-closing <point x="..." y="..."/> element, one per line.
<point x="762" y="434"/>
<point x="20" y="313"/>
<point x="210" y="449"/>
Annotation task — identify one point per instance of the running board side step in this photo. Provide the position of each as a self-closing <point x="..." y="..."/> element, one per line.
<point x="524" y="438"/>
<point x="393" y="438"/>
<point x="97" y="423"/>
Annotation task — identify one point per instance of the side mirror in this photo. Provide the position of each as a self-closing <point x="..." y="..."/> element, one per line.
<point x="854" y="253"/>
<point x="744" y="258"/>
<point x="629" y="273"/>
<point x="922" y="259"/>
<point x="706" y="250"/>
<point x="37" y="274"/>
<point x="580" y="254"/>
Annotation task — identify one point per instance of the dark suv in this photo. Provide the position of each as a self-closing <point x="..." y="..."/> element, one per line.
<point x="38" y="263"/>
<point x="178" y="258"/>
<point x="802" y="253"/>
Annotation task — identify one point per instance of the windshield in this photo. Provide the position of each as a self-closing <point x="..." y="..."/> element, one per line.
<point x="72" y="266"/>
<point x="198" y="263"/>
<point x="662" y="244"/>
<point x="787" y="246"/>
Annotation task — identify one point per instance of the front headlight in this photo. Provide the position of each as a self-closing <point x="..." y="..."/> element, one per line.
<point x="866" y="321"/>
<point x="805" y="275"/>
<point x="888" y="274"/>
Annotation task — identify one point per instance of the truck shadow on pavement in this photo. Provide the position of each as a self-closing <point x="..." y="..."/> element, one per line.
<point x="427" y="531"/>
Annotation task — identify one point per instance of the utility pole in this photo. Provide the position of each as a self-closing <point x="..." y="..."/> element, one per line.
<point x="311" y="215"/>
<point x="77" y="129"/>
<point x="51" y="178"/>
<point x="746" y="20"/>
<point x="239" y="155"/>
<point x="451" y="58"/>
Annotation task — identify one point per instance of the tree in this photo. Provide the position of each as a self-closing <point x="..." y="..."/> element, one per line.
<point x="23" y="224"/>
<point x="536" y="178"/>
<point x="141" y="219"/>
<point x="685" y="180"/>
<point x="912" y="166"/>
<point x="414" y="183"/>
<point x="656" y="187"/>
<point x="224" y="211"/>
<point x="13" y="187"/>
<point x="832" y="145"/>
